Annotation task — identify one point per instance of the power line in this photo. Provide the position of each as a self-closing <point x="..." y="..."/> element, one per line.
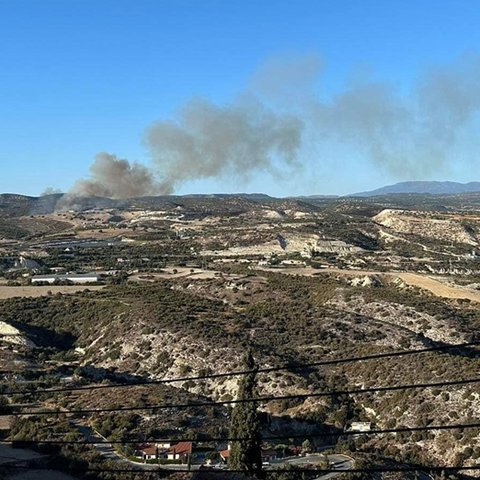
<point x="238" y="439"/>
<point x="289" y="367"/>
<point x="212" y="403"/>
<point x="157" y="471"/>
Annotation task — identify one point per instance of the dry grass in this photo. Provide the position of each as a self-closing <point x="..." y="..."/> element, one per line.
<point x="40" y="291"/>
<point x="437" y="287"/>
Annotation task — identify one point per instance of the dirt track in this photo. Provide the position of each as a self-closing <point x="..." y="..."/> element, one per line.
<point x="437" y="287"/>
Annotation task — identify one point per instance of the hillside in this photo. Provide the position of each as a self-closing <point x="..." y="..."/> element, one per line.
<point x="186" y="284"/>
<point x="194" y="326"/>
<point x="431" y="187"/>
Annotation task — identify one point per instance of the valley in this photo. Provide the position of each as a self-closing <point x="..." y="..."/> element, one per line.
<point x="113" y="313"/>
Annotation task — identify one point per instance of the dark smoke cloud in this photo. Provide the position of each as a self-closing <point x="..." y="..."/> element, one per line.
<point x="408" y="135"/>
<point x="114" y="177"/>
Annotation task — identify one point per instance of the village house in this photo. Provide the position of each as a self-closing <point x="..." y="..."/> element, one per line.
<point x="224" y="455"/>
<point x="293" y="263"/>
<point x="153" y="451"/>
<point x="147" y="452"/>
<point x="180" y="451"/>
<point x="360" y="427"/>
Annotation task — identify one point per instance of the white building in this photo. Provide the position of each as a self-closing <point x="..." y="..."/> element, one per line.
<point x="78" y="278"/>
<point x="360" y="427"/>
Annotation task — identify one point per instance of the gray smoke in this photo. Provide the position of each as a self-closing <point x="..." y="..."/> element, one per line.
<point x="287" y="79"/>
<point x="409" y="135"/>
<point x="50" y="191"/>
<point x="114" y="177"/>
<point x="204" y="141"/>
<point x="210" y="141"/>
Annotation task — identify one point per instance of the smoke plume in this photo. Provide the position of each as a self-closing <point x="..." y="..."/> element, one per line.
<point x="408" y="135"/>
<point x="209" y="141"/>
<point x="50" y="191"/>
<point x="114" y="177"/>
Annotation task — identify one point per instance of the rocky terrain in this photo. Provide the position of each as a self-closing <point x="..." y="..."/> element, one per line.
<point x="186" y="284"/>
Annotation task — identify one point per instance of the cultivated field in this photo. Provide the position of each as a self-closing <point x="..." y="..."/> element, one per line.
<point x="40" y="291"/>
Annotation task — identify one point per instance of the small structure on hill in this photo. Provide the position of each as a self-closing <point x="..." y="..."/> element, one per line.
<point x="77" y="278"/>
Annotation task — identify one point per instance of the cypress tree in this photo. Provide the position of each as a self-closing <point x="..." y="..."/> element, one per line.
<point x="246" y="454"/>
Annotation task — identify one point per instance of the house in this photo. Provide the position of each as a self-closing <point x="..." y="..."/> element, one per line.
<point x="224" y="455"/>
<point x="360" y="427"/>
<point x="293" y="263"/>
<point x="57" y="270"/>
<point x="163" y="445"/>
<point x="147" y="452"/>
<point x="153" y="451"/>
<point x="180" y="451"/>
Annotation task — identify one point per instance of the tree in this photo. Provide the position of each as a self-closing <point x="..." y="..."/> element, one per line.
<point x="246" y="453"/>
<point x="3" y="404"/>
<point x="307" y="446"/>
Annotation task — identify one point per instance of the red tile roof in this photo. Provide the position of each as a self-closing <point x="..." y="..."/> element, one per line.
<point x="149" y="449"/>
<point x="182" y="448"/>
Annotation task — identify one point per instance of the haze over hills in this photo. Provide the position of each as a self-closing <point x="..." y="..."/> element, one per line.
<point x="182" y="284"/>
<point x="405" y="194"/>
<point x="47" y="203"/>
<point x="429" y="187"/>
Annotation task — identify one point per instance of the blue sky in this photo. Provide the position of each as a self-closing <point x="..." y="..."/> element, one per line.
<point x="80" y="77"/>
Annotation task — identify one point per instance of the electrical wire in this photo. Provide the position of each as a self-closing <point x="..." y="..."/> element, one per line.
<point x="238" y="439"/>
<point x="289" y="367"/>
<point x="298" y="396"/>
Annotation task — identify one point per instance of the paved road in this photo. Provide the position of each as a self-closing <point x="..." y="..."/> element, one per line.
<point x="338" y="461"/>
<point x="109" y="452"/>
<point x="106" y="449"/>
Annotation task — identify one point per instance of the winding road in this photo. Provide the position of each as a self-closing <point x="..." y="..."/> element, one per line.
<point x="337" y="461"/>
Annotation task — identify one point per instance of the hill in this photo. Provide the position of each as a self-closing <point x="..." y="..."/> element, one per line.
<point x="432" y="188"/>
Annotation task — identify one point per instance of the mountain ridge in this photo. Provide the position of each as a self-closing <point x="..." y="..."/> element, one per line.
<point x="14" y="204"/>
<point x="422" y="187"/>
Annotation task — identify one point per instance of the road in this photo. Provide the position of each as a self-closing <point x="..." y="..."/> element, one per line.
<point x="107" y="450"/>
<point x="342" y="462"/>
<point x="337" y="461"/>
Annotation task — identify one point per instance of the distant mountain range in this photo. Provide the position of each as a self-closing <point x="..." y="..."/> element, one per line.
<point x="14" y="205"/>
<point x="433" y="188"/>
